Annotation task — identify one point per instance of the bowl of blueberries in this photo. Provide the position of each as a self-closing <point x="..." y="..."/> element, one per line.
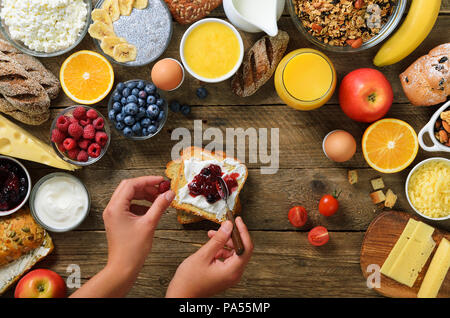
<point x="137" y="110"/>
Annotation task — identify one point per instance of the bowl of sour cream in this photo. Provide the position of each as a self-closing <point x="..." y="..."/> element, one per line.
<point x="59" y="202"/>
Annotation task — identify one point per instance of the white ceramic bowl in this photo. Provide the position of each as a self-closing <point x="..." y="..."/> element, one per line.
<point x="224" y="77"/>
<point x="429" y="128"/>
<point x="17" y="208"/>
<point x="420" y="164"/>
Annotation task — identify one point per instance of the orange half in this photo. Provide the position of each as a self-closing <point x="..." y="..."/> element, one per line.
<point x="86" y="77"/>
<point x="390" y="145"/>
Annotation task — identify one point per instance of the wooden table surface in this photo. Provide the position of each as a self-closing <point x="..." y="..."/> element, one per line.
<point x="284" y="264"/>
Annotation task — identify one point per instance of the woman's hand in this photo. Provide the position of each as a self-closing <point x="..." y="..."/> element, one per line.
<point x="214" y="267"/>
<point x="129" y="231"/>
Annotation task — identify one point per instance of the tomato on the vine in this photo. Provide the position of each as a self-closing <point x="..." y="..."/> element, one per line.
<point x="318" y="236"/>
<point x="298" y="216"/>
<point x="329" y="205"/>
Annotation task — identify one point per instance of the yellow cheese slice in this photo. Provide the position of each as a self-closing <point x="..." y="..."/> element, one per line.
<point x="413" y="256"/>
<point x="398" y="247"/>
<point x="17" y="142"/>
<point x="436" y="272"/>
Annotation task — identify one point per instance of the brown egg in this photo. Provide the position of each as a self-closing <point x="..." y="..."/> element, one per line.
<point x="167" y="74"/>
<point x="339" y="146"/>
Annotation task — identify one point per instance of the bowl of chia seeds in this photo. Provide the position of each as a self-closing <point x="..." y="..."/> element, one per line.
<point x="149" y="30"/>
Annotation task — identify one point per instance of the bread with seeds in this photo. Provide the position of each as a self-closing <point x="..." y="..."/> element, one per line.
<point x="189" y="11"/>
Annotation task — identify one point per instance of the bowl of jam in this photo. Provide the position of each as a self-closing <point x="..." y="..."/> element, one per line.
<point x="15" y="185"/>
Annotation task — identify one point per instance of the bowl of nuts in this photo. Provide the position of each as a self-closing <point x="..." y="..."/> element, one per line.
<point x="438" y="128"/>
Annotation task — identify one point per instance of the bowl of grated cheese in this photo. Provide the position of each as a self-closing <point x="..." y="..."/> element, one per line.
<point x="428" y="189"/>
<point x="45" y="28"/>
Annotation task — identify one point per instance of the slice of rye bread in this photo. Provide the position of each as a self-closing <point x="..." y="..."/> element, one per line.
<point x="172" y="172"/>
<point x="181" y="181"/>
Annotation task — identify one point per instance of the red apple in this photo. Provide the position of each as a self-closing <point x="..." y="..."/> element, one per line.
<point x="365" y="95"/>
<point x="41" y="283"/>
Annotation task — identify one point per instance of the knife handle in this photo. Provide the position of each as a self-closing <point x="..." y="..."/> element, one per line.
<point x="235" y="235"/>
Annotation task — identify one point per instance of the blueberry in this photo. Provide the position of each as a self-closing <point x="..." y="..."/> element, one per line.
<point x="132" y="85"/>
<point x="141" y="113"/>
<point x="141" y="85"/>
<point x="123" y="100"/>
<point x="160" y="102"/>
<point x="137" y="129"/>
<point x="141" y="102"/>
<point x="132" y="99"/>
<point x="152" y="129"/>
<point x="126" y="92"/>
<point x="175" y="106"/>
<point x="120" y="86"/>
<point x="202" y="93"/>
<point x="128" y="132"/>
<point x="185" y="109"/>
<point x="120" y="117"/>
<point x="120" y="125"/>
<point x="145" y="122"/>
<point x="161" y="115"/>
<point x="151" y="99"/>
<point x="150" y="88"/>
<point x="131" y="109"/>
<point x="129" y="120"/>
<point x="142" y="94"/>
<point x="135" y="92"/>
<point x="117" y="96"/>
<point x="117" y="107"/>
<point x="144" y="132"/>
<point x="153" y="111"/>
<point x="112" y="115"/>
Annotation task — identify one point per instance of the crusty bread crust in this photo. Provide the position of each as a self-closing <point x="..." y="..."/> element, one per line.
<point x="179" y="181"/>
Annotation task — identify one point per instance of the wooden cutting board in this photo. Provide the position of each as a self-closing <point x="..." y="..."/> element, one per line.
<point x="379" y="240"/>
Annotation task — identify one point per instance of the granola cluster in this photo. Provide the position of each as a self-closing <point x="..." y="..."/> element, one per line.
<point x="343" y="22"/>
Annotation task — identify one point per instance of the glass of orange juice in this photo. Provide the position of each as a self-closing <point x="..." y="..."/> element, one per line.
<point x="305" y="79"/>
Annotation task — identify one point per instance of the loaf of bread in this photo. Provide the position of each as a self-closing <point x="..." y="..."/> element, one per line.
<point x="189" y="11"/>
<point x="259" y="64"/>
<point x="175" y="171"/>
<point x="426" y="81"/>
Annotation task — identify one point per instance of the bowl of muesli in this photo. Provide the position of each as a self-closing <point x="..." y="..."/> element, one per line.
<point x="346" y="25"/>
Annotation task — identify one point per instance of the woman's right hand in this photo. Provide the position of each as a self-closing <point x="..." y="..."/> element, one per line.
<point x="214" y="267"/>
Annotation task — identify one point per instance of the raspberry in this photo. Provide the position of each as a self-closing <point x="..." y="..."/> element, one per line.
<point x="73" y="153"/>
<point x="85" y="122"/>
<point x="69" y="144"/>
<point x="62" y="123"/>
<point x="82" y="156"/>
<point x="99" y="123"/>
<point x="89" y="132"/>
<point x="101" y="138"/>
<point x="84" y="143"/>
<point x="61" y="147"/>
<point x="73" y="120"/>
<point x="58" y="136"/>
<point x="94" y="150"/>
<point x="164" y="186"/>
<point x="79" y="113"/>
<point x="75" y="130"/>
<point x="92" y="114"/>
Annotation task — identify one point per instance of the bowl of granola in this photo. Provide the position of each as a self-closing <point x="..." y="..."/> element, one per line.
<point x="346" y="25"/>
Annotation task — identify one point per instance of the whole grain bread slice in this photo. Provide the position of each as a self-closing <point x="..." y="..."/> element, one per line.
<point x="172" y="172"/>
<point x="180" y="181"/>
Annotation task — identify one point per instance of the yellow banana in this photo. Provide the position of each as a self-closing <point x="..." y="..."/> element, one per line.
<point x="418" y="23"/>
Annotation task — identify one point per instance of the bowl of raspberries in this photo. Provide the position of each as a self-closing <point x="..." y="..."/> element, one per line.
<point x="80" y="135"/>
<point x="137" y="110"/>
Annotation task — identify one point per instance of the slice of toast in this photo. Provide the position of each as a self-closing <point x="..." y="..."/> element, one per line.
<point x="188" y="212"/>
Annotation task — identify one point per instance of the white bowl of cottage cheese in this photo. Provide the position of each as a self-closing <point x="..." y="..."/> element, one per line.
<point x="45" y="28"/>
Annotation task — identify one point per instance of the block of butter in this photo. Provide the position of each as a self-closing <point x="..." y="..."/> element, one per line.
<point x="17" y="142"/>
<point x="410" y="253"/>
<point x="436" y="272"/>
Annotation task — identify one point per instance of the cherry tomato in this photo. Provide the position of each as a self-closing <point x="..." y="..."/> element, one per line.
<point x="298" y="216"/>
<point x="318" y="236"/>
<point x="328" y="205"/>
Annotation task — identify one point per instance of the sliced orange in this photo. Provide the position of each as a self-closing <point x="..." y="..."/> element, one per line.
<point x="390" y="145"/>
<point x="86" y="77"/>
